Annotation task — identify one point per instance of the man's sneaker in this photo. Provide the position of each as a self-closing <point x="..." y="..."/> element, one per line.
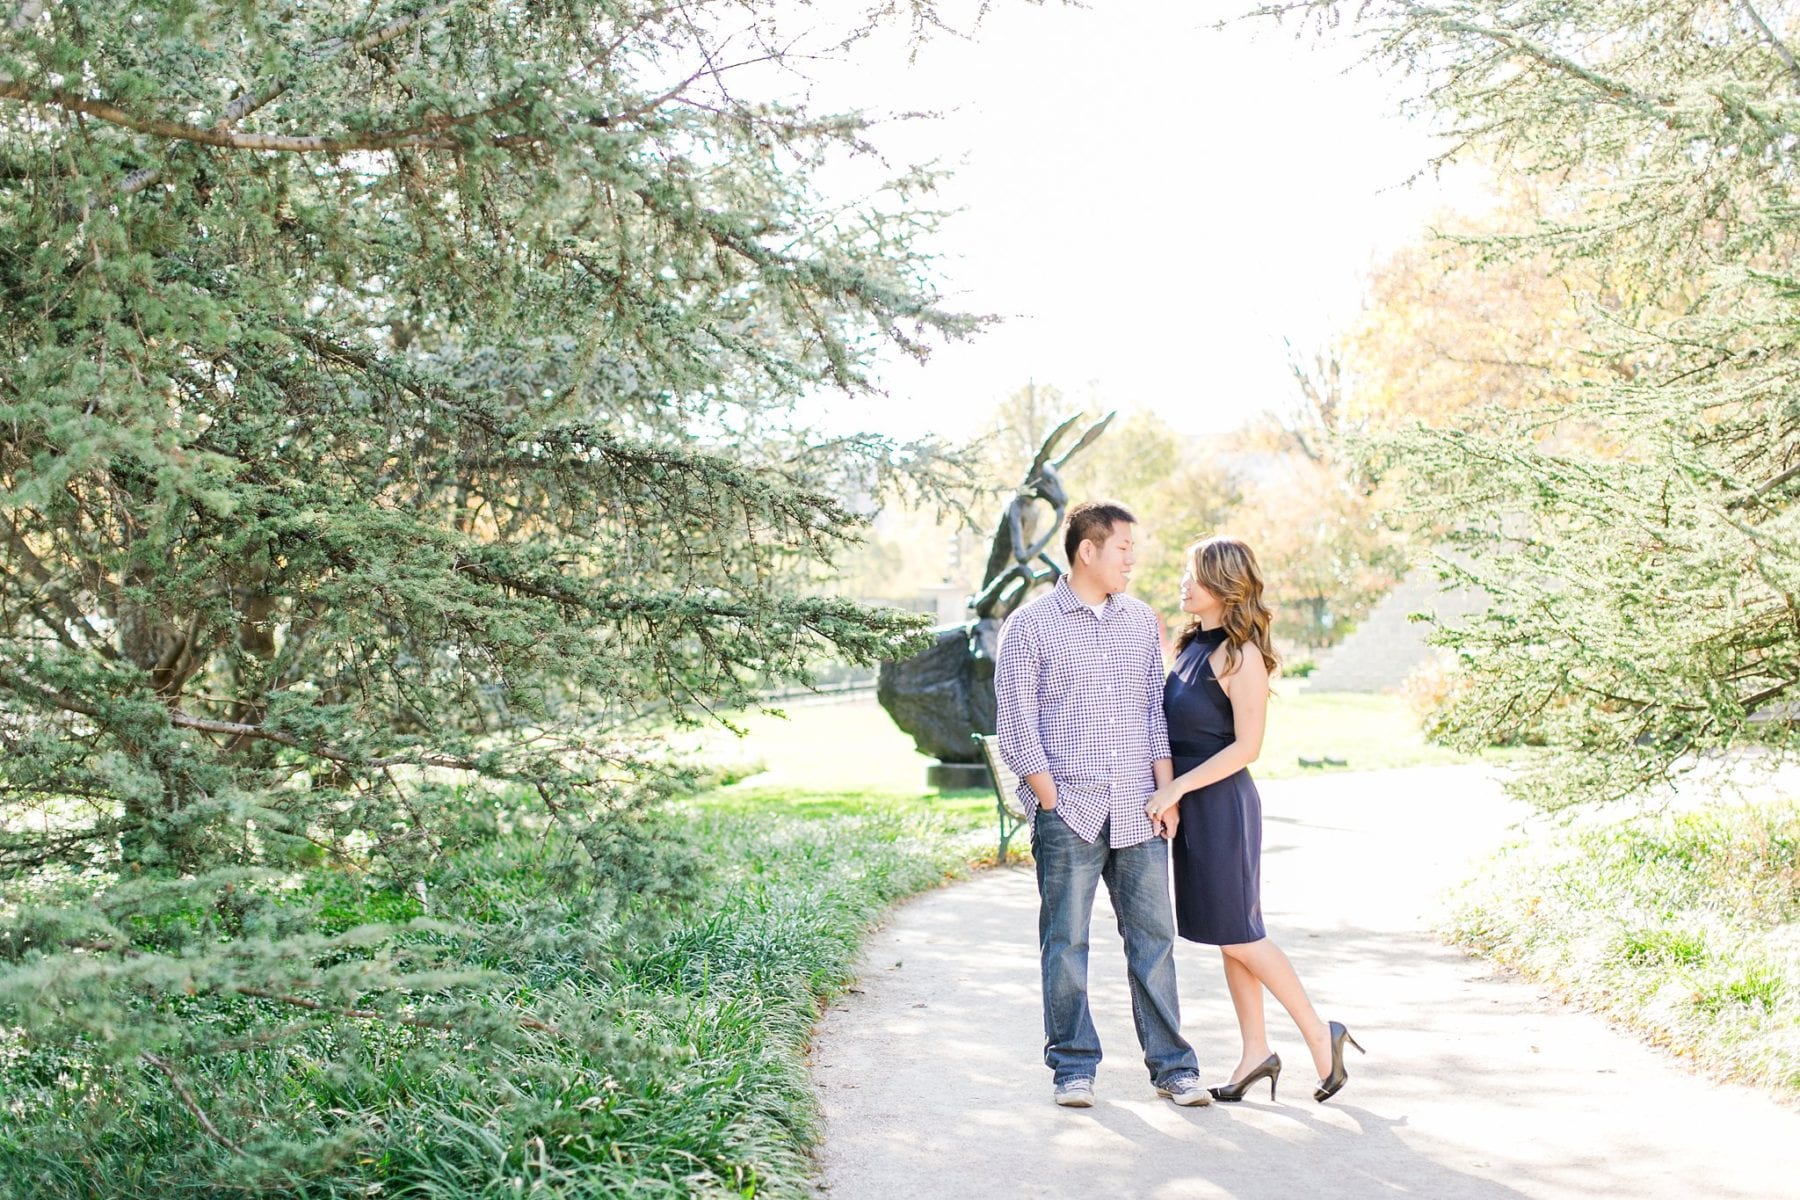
<point x="1185" y="1091"/>
<point x="1078" y="1093"/>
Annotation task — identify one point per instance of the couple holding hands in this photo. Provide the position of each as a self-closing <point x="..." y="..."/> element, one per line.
<point x="1124" y="769"/>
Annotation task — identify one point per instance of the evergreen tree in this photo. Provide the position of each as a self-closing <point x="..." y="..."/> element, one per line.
<point x="1645" y="569"/>
<point x="397" y="402"/>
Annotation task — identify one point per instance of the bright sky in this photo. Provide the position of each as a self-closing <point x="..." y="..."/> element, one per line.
<point x="1151" y="202"/>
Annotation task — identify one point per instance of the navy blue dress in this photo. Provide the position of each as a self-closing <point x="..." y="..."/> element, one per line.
<point x="1217" y="852"/>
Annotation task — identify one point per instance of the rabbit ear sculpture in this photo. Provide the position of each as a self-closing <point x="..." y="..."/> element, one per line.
<point x="1018" y="562"/>
<point x="945" y="695"/>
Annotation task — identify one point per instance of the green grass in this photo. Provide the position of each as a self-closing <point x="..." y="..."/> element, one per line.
<point x="1369" y="732"/>
<point x="1685" y="927"/>
<point x="850" y="756"/>
<point x="680" y="1071"/>
<point x="822" y="760"/>
<point x="685" y="1008"/>
<point x="850" y="747"/>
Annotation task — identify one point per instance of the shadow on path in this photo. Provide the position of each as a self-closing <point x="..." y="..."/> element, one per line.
<point x="930" y="1071"/>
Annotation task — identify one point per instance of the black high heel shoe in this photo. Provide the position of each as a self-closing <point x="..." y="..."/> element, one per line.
<point x="1330" y="1085"/>
<point x="1231" y="1093"/>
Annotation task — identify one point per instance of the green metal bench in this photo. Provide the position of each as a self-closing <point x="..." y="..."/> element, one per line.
<point x="1006" y="789"/>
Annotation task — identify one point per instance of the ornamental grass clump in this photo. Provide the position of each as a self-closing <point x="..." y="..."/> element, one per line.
<point x="1684" y="926"/>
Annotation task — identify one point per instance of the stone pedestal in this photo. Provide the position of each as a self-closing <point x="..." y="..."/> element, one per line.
<point x="945" y="695"/>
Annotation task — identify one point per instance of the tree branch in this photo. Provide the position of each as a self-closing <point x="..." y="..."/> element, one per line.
<point x="428" y="136"/>
<point x="371" y="1014"/>
<point x="1781" y="50"/>
<point x="240" y="729"/>
<point x="363" y="360"/>
<point x="46" y="695"/>
<point x="187" y="1100"/>
<point x="1764" y="489"/>
<point x="252" y="100"/>
<point x="1543" y="56"/>
<point x="1753" y="702"/>
<point x="183" y="720"/>
<point x="47" y="585"/>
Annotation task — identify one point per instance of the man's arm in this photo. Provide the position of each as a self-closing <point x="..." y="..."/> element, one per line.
<point x="1156" y="721"/>
<point x="1162" y="766"/>
<point x="1016" y="676"/>
<point x="1168" y="820"/>
<point x="1043" y="787"/>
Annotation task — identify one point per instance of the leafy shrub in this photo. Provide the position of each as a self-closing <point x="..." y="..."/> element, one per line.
<point x="1684" y="925"/>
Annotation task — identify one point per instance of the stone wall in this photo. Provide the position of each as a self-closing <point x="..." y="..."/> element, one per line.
<point x="1386" y="646"/>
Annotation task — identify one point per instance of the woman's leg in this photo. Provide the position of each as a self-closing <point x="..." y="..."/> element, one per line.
<point x="1247" y="999"/>
<point x="1266" y="964"/>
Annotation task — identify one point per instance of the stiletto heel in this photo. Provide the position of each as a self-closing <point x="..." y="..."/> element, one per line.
<point x="1332" y="1083"/>
<point x="1231" y="1093"/>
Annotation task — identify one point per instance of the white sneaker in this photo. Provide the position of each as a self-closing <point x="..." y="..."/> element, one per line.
<point x="1185" y="1091"/>
<point x="1075" y="1093"/>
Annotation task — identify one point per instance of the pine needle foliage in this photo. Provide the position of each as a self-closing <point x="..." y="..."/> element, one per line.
<point x="396" y="402"/>
<point x="1640" y="535"/>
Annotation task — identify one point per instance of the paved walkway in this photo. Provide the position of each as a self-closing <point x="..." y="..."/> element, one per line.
<point x="1475" y="1085"/>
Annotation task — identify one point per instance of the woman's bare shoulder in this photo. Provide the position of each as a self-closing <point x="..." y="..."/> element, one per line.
<point x="1250" y="669"/>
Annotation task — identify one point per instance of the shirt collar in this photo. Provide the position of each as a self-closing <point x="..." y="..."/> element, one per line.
<point x="1066" y="599"/>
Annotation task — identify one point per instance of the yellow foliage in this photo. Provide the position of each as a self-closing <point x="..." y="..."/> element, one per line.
<point x="1451" y="333"/>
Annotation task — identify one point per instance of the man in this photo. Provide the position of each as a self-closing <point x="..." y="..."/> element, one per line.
<point x="1079" y="684"/>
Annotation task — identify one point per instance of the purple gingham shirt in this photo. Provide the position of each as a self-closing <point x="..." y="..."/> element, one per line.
<point x="1081" y="696"/>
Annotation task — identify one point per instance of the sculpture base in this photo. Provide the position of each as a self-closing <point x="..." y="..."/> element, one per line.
<point x="958" y="777"/>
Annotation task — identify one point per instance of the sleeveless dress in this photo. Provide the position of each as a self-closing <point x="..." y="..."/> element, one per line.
<point x="1217" y="852"/>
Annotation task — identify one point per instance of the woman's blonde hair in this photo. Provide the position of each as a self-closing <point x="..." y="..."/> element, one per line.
<point x="1227" y="568"/>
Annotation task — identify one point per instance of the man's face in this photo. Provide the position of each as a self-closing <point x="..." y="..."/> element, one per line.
<point x="1114" y="558"/>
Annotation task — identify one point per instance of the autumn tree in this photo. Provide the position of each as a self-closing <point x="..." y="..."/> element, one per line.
<point x="1181" y="488"/>
<point x="1319" y="535"/>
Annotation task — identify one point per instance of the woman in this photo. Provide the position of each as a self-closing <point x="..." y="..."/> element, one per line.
<point x="1216" y="698"/>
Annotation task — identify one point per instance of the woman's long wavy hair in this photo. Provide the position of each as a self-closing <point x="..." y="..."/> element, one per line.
<point x="1227" y="568"/>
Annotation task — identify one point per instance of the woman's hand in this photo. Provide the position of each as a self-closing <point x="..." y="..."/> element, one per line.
<point x="1164" y="798"/>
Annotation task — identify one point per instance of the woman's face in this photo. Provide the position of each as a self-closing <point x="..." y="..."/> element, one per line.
<point x="1196" y="599"/>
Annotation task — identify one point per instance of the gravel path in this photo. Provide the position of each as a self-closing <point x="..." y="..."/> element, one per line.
<point x="1475" y="1085"/>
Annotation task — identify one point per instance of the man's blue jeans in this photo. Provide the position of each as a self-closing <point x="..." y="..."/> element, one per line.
<point x="1137" y="879"/>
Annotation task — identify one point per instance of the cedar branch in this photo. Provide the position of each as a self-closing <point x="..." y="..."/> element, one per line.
<point x="370" y="1014"/>
<point x="187" y="1099"/>
<point x="427" y="136"/>
<point x="241" y="729"/>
